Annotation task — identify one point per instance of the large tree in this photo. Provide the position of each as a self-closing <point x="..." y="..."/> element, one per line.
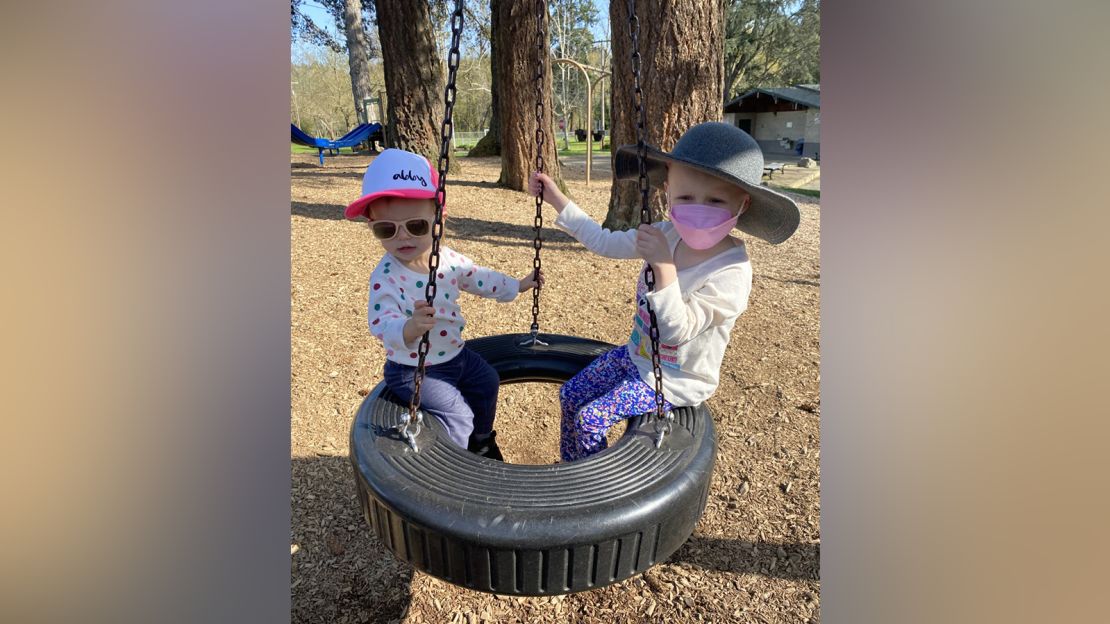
<point x="771" y="43"/>
<point x="358" y="54"/>
<point x="414" y="76"/>
<point x="681" y="75"/>
<point x="348" y="17"/>
<point x="490" y="145"/>
<point x="517" y="64"/>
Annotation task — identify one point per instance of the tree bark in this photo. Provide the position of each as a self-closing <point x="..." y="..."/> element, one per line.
<point x="414" y="80"/>
<point x="490" y="145"/>
<point x="358" y="54"/>
<point x="517" y="72"/>
<point x="681" y="47"/>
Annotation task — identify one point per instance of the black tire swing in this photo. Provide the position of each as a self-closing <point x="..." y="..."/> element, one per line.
<point x="523" y="529"/>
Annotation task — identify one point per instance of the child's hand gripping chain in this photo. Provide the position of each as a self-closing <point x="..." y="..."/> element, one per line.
<point x="702" y="276"/>
<point x="458" y="388"/>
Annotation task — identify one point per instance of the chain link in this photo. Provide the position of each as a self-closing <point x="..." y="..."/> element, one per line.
<point x="537" y="242"/>
<point x="445" y="131"/>
<point x="663" y="419"/>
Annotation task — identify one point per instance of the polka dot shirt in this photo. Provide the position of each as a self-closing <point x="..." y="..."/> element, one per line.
<point x="394" y="287"/>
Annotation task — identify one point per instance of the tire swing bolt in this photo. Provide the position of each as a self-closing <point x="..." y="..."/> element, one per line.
<point x="410" y="434"/>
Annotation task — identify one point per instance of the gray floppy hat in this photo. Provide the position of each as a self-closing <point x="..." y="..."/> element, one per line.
<point x="729" y="153"/>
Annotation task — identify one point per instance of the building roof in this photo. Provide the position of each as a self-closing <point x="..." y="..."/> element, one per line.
<point x="808" y="95"/>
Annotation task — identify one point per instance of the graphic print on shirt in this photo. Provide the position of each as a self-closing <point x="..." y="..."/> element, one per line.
<point x="641" y="331"/>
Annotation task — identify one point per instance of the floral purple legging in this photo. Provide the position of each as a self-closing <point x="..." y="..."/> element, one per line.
<point x="605" y="392"/>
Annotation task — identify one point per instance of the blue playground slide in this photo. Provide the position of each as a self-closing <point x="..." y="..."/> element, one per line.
<point x="361" y="133"/>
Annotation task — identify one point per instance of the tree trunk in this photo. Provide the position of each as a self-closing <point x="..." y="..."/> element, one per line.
<point x="358" y="54"/>
<point x="517" y="72"/>
<point x="414" y="81"/>
<point x="490" y="145"/>
<point x="681" y="46"/>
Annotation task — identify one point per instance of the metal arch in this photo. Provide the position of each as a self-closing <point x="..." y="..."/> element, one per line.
<point x="585" y="69"/>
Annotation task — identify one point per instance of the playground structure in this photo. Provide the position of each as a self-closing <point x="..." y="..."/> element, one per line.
<point x="603" y="73"/>
<point x="362" y="133"/>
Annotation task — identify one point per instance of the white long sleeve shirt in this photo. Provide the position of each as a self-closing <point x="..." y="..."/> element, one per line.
<point x="394" y="287"/>
<point x="695" y="313"/>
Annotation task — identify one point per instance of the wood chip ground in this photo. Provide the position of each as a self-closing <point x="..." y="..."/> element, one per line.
<point x="754" y="556"/>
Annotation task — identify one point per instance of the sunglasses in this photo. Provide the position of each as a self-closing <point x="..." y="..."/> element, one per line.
<point x="385" y="230"/>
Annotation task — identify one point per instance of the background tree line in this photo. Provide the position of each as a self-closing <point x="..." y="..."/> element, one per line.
<point x="767" y="43"/>
<point x="697" y="55"/>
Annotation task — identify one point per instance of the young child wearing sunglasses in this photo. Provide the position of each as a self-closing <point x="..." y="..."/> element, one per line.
<point x="459" y="387"/>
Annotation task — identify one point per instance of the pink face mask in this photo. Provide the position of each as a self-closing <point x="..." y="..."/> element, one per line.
<point x="702" y="226"/>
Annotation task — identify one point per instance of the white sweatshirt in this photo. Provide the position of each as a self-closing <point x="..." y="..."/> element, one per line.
<point x="394" y="287"/>
<point x="695" y="313"/>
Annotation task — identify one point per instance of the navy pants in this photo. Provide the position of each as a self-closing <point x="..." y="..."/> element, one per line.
<point x="461" y="393"/>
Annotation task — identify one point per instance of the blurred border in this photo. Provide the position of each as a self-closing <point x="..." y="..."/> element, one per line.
<point x="963" y="243"/>
<point x="146" y="333"/>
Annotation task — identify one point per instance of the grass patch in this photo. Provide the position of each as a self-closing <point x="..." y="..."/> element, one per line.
<point x="304" y="149"/>
<point x="800" y="191"/>
<point x="578" y="148"/>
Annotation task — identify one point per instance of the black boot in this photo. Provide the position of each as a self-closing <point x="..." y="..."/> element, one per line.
<point x="486" y="448"/>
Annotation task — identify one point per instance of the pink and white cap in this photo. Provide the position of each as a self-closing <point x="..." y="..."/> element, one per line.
<point x="395" y="173"/>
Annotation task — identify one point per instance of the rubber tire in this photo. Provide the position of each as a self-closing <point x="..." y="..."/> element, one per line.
<point x="524" y="529"/>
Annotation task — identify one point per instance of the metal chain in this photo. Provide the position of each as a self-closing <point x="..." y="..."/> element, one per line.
<point x="445" y="132"/>
<point x="663" y="419"/>
<point x="541" y="137"/>
<point x="537" y="242"/>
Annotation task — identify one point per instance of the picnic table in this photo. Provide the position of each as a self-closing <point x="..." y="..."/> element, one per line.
<point x="769" y="169"/>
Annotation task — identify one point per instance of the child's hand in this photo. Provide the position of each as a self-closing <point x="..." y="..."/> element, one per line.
<point x="651" y="244"/>
<point x="528" y="282"/>
<point x="551" y="192"/>
<point x="423" y="320"/>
